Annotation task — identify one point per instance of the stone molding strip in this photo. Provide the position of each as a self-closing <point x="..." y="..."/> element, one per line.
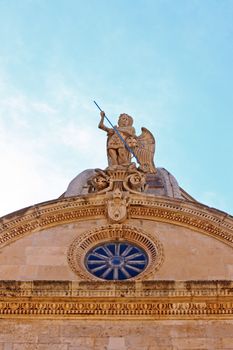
<point x="142" y="289"/>
<point x="62" y="211"/>
<point x="130" y="300"/>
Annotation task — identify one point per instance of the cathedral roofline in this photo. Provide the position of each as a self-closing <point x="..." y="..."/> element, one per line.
<point x="55" y="212"/>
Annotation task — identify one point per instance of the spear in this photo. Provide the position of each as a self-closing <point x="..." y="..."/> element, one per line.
<point x="118" y="134"/>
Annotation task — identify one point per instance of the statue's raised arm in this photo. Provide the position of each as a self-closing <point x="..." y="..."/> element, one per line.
<point x="101" y="123"/>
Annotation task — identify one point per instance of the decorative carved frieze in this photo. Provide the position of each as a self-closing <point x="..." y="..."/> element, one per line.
<point x="192" y="215"/>
<point x="105" y="309"/>
<point x="104" y="300"/>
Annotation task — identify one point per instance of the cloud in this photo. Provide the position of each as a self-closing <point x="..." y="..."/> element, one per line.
<point x="44" y="143"/>
<point x="79" y="138"/>
<point x="25" y="176"/>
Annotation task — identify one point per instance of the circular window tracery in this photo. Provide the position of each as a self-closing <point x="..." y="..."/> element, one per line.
<point x="116" y="261"/>
<point x="121" y="236"/>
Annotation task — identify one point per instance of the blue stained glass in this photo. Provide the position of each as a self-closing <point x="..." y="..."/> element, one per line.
<point x="116" y="261"/>
<point x="111" y="247"/>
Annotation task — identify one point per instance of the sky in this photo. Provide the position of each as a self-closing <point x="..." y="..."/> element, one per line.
<point x="168" y="63"/>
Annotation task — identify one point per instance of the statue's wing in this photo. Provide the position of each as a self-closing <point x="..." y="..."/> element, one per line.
<point x="145" y="150"/>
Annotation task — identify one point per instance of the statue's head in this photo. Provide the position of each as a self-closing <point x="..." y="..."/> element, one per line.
<point x="125" y="120"/>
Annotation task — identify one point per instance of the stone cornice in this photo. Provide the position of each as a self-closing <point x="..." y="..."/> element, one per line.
<point x="106" y="300"/>
<point x="63" y="211"/>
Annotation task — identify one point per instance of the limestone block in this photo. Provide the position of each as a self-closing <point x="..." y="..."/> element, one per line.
<point x="190" y="343"/>
<point x="79" y="341"/>
<point x="26" y="272"/>
<point x="139" y="348"/>
<point x="101" y="342"/>
<point x="54" y="346"/>
<point x="159" y="347"/>
<point x="48" y="346"/>
<point x="217" y="329"/>
<point x="116" y="343"/>
<point x="82" y="348"/>
<point x="75" y="331"/>
<point x="136" y="340"/>
<point x="6" y="346"/>
<point x="227" y="343"/>
<point x="54" y="272"/>
<point x="25" y="346"/>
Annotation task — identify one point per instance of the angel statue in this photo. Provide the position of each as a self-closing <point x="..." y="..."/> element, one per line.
<point x="122" y="142"/>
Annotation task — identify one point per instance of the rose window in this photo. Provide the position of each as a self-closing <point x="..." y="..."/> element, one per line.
<point x="116" y="261"/>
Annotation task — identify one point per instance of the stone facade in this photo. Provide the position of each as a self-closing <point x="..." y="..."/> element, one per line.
<point x="187" y="254"/>
<point x="115" y="335"/>
<point x="182" y="300"/>
<point x="116" y="316"/>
